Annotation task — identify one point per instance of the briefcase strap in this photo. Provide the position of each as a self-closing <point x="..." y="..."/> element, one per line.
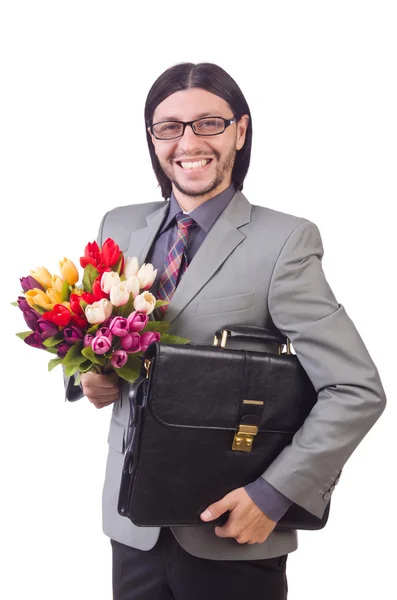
<point x="251" y="333"/>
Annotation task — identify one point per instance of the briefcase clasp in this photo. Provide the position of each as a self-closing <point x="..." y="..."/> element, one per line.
<point x="244" y="438"/>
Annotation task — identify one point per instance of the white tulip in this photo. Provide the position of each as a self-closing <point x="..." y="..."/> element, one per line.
<point x="131" y="266"/>
<point x="119" y="294"/>
<point x="98" y="311"/>
<point x="133" y="285"/>
<point x="146" y="276"/>
<point x="145" y="303"/>
<point x="109" y="279"/>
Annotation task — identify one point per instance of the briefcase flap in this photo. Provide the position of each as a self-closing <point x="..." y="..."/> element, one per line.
<point x="204" y="387"/>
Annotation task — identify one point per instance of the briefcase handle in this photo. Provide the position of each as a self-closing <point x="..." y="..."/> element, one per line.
<point x="251" y="333"/>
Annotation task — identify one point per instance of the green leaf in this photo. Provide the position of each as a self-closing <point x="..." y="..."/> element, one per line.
<point x="117" y="267"/>
<point x="92" y="330"/>
<point x="65" y="292"/>
<point x="131" y="369"/>
<point x="14" y="303"/>
<point x="39" y="309"/>
<point x="83" y="304"/>
<point x="173" y="339"/>
<point x="74" y="356"/>
<point x="52" y="350"/>
<point x="160" y="326"/>
<point x="23" y="334"/>
<point x="85" y="366"/>
<point x="90" y="274"/>
<point x="53" y="341"/>
<point x="54" y="362"/>
<point x="160" y="303"/>
<point x="71" y="370"/>
<point x="94" y="358"/>
<point x="127" y="308"/>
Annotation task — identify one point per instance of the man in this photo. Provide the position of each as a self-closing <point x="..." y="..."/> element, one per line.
<point x="237" y="263"/>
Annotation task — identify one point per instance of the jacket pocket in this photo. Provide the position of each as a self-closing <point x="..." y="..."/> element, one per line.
<point x="224" y="304"/>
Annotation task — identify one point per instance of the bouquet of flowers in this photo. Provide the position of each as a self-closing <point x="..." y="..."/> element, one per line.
<point x="104" y="324"/>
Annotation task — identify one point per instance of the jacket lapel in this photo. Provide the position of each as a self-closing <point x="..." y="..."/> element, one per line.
<point x="219" y="243"/>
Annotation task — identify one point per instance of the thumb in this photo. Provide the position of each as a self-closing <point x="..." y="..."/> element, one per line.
<point x="216" y="510"/>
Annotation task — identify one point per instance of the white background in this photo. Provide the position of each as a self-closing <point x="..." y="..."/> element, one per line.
<point x="320" y="79"/>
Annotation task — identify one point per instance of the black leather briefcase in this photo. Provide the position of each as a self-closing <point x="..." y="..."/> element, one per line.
<point x="206" y="420"/>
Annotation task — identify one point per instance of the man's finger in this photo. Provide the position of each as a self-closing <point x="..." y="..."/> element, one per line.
<point x="215" y="510"/>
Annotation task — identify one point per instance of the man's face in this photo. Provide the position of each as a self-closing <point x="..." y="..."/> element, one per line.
<point x="218" y="151"/>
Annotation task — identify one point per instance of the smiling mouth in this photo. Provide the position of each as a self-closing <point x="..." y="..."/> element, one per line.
<point x="192" y="165"/>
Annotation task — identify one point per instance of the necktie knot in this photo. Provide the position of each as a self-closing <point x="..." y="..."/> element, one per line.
<point x="184" y="221"/>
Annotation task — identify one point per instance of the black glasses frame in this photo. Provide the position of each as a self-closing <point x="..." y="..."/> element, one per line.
<point x="226" y="123"/>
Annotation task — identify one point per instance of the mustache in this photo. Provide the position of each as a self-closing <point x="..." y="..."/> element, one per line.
<point x="193" y="155"/>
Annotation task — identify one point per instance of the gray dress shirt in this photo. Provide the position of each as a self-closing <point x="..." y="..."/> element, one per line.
<point x="266" y="497"/>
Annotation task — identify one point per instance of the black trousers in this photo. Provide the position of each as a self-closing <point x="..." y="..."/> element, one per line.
<point x="168" y="572"/>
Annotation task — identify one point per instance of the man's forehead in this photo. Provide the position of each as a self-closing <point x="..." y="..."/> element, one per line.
<point x="194" y="103"/>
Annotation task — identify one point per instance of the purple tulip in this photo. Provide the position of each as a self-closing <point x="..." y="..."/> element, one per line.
<point x="46" y="329"/>
<point x="101" y="344"/>
<point x="31" y="317"/>
<point x="87" y="340"/>
<point x="72" y="334"/>
<point x="137" y="321"/>
<point x="34" y="340"/>
<point x="119" y="358"/>
<point x="23" y="303"/>
<point x="62" y="348"/>
<point x="105" y="331"/>
<point x="28" y="283"/>
<point x="148" y="338"/>
<point x="131" y="342"/>
<point x="119" y="326"/>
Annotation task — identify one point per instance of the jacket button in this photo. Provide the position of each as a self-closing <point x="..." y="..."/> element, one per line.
<point x="326" y="496"/>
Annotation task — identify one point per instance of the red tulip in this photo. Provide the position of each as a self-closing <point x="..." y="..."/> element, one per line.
<point x="60" y="315"/>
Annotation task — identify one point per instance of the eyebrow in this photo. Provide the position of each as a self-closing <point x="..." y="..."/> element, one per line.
<point x="209" y="113"/>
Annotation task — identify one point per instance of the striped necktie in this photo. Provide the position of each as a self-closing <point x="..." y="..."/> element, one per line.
<point x="175" y="264"/>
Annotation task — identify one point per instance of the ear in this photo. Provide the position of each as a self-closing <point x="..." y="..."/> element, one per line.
<point x="242" y="127"/>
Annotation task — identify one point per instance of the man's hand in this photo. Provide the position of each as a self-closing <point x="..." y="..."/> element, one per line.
<point x="246" y="522"/>
<point x="101" y="390"/>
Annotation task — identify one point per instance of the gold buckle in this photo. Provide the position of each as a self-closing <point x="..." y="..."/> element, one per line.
<point x="244" y="438"/>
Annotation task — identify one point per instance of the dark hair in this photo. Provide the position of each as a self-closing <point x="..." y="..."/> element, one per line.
<point x="209" y="77"/>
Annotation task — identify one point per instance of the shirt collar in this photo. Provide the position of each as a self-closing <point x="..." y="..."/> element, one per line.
<point x="204" y="215"/>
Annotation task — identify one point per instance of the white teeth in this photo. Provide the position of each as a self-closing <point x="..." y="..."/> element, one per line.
<point x="195" y="165"/>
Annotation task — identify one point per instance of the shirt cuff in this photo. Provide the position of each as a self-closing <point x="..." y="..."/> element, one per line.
<point x="270" y="501"/>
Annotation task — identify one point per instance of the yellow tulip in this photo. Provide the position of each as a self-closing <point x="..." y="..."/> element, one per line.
<point x="42" y="276"/>
<point x="54" y="296"/>
<point x="57" y="283"/>
<point x="67" y="304"/>
<point x="68" y="271"/>
<point x="36" y="296"/>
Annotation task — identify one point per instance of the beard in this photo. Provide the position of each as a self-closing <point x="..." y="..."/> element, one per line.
<point x="222" y="169"/>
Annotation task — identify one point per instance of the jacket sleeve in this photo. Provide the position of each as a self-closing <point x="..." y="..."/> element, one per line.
<point x="350" y="393"/>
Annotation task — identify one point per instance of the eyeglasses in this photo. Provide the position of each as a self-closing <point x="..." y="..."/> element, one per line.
<point x="170" y="130"/>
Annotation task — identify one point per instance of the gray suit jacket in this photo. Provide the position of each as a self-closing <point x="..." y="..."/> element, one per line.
<point x="258" y="267"/>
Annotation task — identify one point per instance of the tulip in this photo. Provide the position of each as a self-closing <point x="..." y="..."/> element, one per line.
<point x="79" y="320"/>
<point x="131" y="342"/>
<point x="131" y="267"/>
<point x="39" y="298"/>
<point x="57" y="283"/>
<point x="68" y="271"/>
<point x="119" y="295"/>
<point x="105" y="331"/>
<point x="97" y="292"/>
<point x="31" y="317"/>
<point x="98" y="311"/>
<point x="109" y="280"/>
<point x="43" y="276"/>
<point x="34" y="340"/>
<point x="54" y="296"/>
<point x="145" y="303"/>
<point x="87" y="340"/>
<point x="137" y="321"/>
<point x="119" y="358"/>
<point x="149" y="337"/>
<point x="62" y="349"/>
<point x="92" y="255"/>
<point x="133" y="285"/>
<point x="46" y="329"/>
<point x="72" y="334"/>
<point x="101" y="344"/>
<point x="110" y="253"/>
<point x="146" y="275"/>
<point x="23" y="303"/>
<point x="60" y="315"/>
<point x="119" y="326"/>
<point x="28" y="283"/>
